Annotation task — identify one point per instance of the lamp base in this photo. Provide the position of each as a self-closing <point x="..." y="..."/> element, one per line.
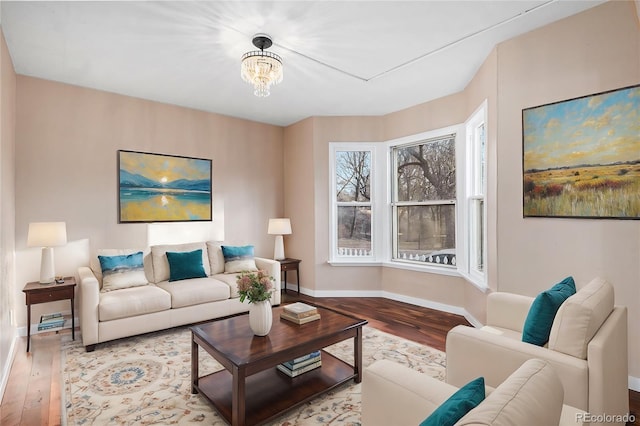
<point x="47" y="274"/>
<point x="278" y="250"/>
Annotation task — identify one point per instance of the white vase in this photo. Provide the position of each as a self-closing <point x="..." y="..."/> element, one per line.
<point x="260" y="317"/>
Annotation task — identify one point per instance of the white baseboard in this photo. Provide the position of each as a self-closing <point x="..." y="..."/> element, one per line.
<point x="6" y="368"/>
<point x="634" y="382"/>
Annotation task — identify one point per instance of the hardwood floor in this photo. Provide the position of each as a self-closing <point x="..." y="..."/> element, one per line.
<point x="33" y="393"/>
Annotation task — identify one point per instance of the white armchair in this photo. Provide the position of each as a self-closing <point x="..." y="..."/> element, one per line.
<point x="587" y="347"/>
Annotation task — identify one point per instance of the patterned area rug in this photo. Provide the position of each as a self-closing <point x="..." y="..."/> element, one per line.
<point x="145" y="380"/>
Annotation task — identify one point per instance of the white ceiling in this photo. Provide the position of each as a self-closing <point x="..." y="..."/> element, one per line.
<point x="340" y="57"/>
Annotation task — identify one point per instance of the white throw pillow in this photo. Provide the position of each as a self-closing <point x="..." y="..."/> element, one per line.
<point x="161" y="270"/>
<point x="533" y="391"/>
<point x="580" y="317"/>
<point x="94" y="263"/>
<point x="216" y="258"/>
<point x="122" y="271"/>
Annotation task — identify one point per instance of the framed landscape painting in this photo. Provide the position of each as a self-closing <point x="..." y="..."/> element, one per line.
<point x="163" y="188"/>
<point x="581" y="157"/>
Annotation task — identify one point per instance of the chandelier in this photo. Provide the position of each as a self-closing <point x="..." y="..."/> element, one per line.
<point x="260" y="68"/>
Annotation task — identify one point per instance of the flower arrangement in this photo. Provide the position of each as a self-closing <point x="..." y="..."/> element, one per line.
<point x="255" y="286"/>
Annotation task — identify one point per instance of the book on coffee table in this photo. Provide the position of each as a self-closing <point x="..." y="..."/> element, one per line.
<point x="294" y="373"/>
<point x="300" y="310"/>
<point x="302" y="361"/>
<point x="297" y="320"/>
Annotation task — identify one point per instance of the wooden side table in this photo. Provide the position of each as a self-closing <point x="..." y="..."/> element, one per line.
<point x="36" y="293"/>
<point x="289" y="264"/>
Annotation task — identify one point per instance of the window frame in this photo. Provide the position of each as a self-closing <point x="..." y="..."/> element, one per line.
<point x="395" y="203"/>
<point x="475" y="168"/>
<point x="334" y="256"/>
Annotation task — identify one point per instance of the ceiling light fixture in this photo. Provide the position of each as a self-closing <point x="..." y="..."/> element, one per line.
<point x="260" y="68"/>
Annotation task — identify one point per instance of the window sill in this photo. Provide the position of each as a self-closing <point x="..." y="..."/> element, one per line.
<point x="354" y="263"/>
<point x="453" y="272"/>
<point x="476" y="283"/>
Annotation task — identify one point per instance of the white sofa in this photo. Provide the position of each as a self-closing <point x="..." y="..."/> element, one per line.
<point x="587" y="347"/>
<point x="161" y="304"/>
<point x="393" y="394"/>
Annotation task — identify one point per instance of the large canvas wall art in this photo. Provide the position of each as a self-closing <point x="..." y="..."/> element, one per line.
<point x="163" y="188"/>
<point x="581" y="157"/>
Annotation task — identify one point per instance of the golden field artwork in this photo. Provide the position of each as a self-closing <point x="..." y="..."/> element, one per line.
<point x="582" y="157"/>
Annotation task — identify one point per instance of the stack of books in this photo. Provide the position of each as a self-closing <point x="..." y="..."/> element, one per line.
<point x="301" y="365"/>
<point x="51" y="321"/>
<point x="300" y="313"/>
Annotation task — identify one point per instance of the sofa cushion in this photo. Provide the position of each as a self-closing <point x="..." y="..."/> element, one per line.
<point x="161" y="270"/>
<point x="460" y="403"/>
<point x="122" y="271"/>
<point x="543" y="310"/>
<point x="533" y="391"/>
<point x="580" y="317"/>
<point x="230" y="280"/>
<point x="185" y="265"/>
<point x="238" y="259"/>
<point x="195" y="291"/>
<point x="131" y="302"/>
<point x="216" y="258"/>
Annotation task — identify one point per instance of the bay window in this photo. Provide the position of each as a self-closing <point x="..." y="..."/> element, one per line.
<point x="423" y="202"/>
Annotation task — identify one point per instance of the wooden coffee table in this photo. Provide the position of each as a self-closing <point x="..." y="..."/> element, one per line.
<point x="251" y="390"/>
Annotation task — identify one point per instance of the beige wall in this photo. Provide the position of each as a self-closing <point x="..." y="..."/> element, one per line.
<point x="567" y="59"/>
<point x="591" y="52"/>
<point x="67" y="139"/>
<point x="298" y="201"/>
<point x="7" y="209"/>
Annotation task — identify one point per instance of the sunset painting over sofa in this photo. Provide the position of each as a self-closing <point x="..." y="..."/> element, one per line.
<point x="163" y="188"/>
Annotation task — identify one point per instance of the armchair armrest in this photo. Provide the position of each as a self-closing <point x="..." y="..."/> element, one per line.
<point x="508" y="310"/>
<point x="473" y="352"/>
<point x="89" y="290"/>
<point x="273" y="269"/>
<point x="607" y="356"/>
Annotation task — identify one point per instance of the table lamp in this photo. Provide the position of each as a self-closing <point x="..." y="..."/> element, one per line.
<point x="47" y="235"/>
<point x="279" y="227"/>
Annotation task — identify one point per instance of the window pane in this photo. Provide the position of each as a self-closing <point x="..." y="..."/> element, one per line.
<point x="426" y="234"/>
<point x="353" y="175"/>
<point x="477" y="235"/>
<point x="354" y="231"/>
<point x="479" y="160"/>
<point x="426" y="172"/>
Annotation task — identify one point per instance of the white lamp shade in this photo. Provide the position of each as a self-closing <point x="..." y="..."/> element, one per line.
<point x="279" y="226"/>
<point x="47" y="234"/>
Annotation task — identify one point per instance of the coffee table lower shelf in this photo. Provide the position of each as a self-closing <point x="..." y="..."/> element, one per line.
<point x="270" y="393"/>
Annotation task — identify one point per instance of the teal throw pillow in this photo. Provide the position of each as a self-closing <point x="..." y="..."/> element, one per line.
<point x="537" y="326"/>
<point x="185" y="265"/>
<point x="460" y="403"/>
<point x="122" y="271"/>
<point x="238" y="259"/>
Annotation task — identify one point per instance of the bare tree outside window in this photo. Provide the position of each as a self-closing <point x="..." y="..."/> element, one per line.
<point x="353" y="198"/>
<point x="424" y="201"/>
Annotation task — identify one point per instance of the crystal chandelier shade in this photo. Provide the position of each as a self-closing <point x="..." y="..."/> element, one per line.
<point x="260" y="68"/>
